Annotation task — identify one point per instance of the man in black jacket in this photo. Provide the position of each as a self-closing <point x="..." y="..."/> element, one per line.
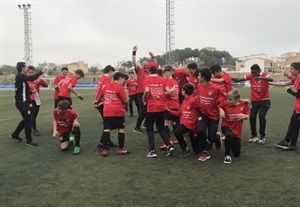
<point x="22" y="97"/>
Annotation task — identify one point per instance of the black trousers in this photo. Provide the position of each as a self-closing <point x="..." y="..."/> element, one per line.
<point x="134" y="98"/>
<point x="25" y="123"/>
<point x="180" y="131"/>
<point x="261" y="108"/>
<point x="34" y="113"/>
<point x="293" y="130"/>
<point x="66" y="98"/>
<point x="209" y="125"/>
<point x="143" y="109"/>
<point x="232" y="143"/>
<point x="158" y="119"/>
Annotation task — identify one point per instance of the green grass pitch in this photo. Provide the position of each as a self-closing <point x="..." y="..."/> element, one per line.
<point x="45" y="176"/>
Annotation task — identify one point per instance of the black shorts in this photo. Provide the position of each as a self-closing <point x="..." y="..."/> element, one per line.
<point x="116" y="122"/>
<point x="171" y="117"/>
<point x="64" y="137"/>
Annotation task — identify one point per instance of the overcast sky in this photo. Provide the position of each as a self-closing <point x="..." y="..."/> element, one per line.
<point x="104" y="32"/>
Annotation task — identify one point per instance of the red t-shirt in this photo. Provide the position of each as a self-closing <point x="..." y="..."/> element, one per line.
<point x="64" y="121"/>
<point x="180" y="75"/>
<point x="156" y="98"/>
<point x="227" y="84"/>
<point x="64" y="90"/>
<point x="57" y="79"/>
<point x="35" y="85"/>
<point x="259" y="88"/>
<point x="296" y="82"/>
<point x="103" y="81"/>
<point x="188" y="113"/>
<point x="209" y="98"/>
<point x="114" y="98"/>
<point x="172" y="100"/>
<point x="132" y="86"/>
<point x="141" y="74"/>
<point x="230" y="119"/>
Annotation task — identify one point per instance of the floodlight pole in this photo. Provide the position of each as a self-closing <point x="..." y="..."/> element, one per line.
<point x="27" y="33"/>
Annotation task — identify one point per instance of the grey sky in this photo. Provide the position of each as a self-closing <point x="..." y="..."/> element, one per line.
<point x="104" y="32"/>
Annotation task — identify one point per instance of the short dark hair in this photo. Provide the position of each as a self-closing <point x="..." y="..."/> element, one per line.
<point x="20" y="65"/>
<point x="166" y="70"/>
<point x="296" y="65"/>
<point x="131" y="72"/>
<point x="206" y="74"/>
<point x="196" y="74"/>
<point x="64" y="68"/>
<point x="109" y="68"/>
<point x="152" y="70"/>
<point x="192" y="66"/>
<point x="215" y="68"/>
<point x="63" y="104"/>
<point x="31" y="67"/>
<point x="255" y="67"/>
<point x="80" y="72"/>
<point x="169" y="67"/>
<point x="188" y="88"/>
<point x="118" y="75"/>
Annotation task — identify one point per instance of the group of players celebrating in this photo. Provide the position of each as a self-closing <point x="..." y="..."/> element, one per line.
<point x="190" y="101"/>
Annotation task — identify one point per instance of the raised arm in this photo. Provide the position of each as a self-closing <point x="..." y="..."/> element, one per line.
<point x="288" y="83"/>
<point x="135" y="48"/>
<point x="153" y="56"/>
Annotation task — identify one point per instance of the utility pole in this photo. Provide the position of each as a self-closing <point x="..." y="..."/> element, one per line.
<point x="27" y="33"/>
<point x="170" y="33"/>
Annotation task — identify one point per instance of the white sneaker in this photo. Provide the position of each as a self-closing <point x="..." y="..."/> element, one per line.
<point x="227" y="159"/>
<point x="152" y="154"/>
<point x="253" y="139"/>
<point x="262" y="141"/>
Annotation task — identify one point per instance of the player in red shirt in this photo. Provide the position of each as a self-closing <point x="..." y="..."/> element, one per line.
<point x="66" y="86"/>
<point x="181" y="76"/>
<point x="115" y="105"/>
<point x="141" y="74"/>
<point x="233" y="111"/>
<point x="99" y="100"/>
<point x="132" y="86"/>
<point x="103" y="81"/>
<point x="172" y="102"/>
<point x="65" y="122"/>
<point x="221" y="78"/>
<point x="192" y="78"/>
<point x="209" y="95"/>
<point x="34" y="87"/>
<point x="155" y="98"/>
<point x="188" y="113"/>
<point x="260" y="101"/>
<point x="57" y="79"/>
<point x="290" y="141"/>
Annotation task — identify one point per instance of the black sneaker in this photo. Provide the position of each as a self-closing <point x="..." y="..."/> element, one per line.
<point x="99" y="146"/>
<point x="36" y="132"/>
<point x="31" y="144"/>
<point x="112" y="145"/>
<point x="138" y="130"/>
<point x="289" y="148"/>
<point x="170" y="150"/>
<point x="185" y="153"/>
<point x="281" y="144"/>
<point x="16" y="138"/>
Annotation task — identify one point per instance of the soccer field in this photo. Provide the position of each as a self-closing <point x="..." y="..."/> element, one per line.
<point x="45" y="176"/>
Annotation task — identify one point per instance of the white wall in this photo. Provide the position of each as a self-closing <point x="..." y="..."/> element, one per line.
<point x="249" y="63"/>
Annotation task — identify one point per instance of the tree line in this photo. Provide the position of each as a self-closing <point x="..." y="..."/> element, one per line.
<point x="203" y="57"/>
